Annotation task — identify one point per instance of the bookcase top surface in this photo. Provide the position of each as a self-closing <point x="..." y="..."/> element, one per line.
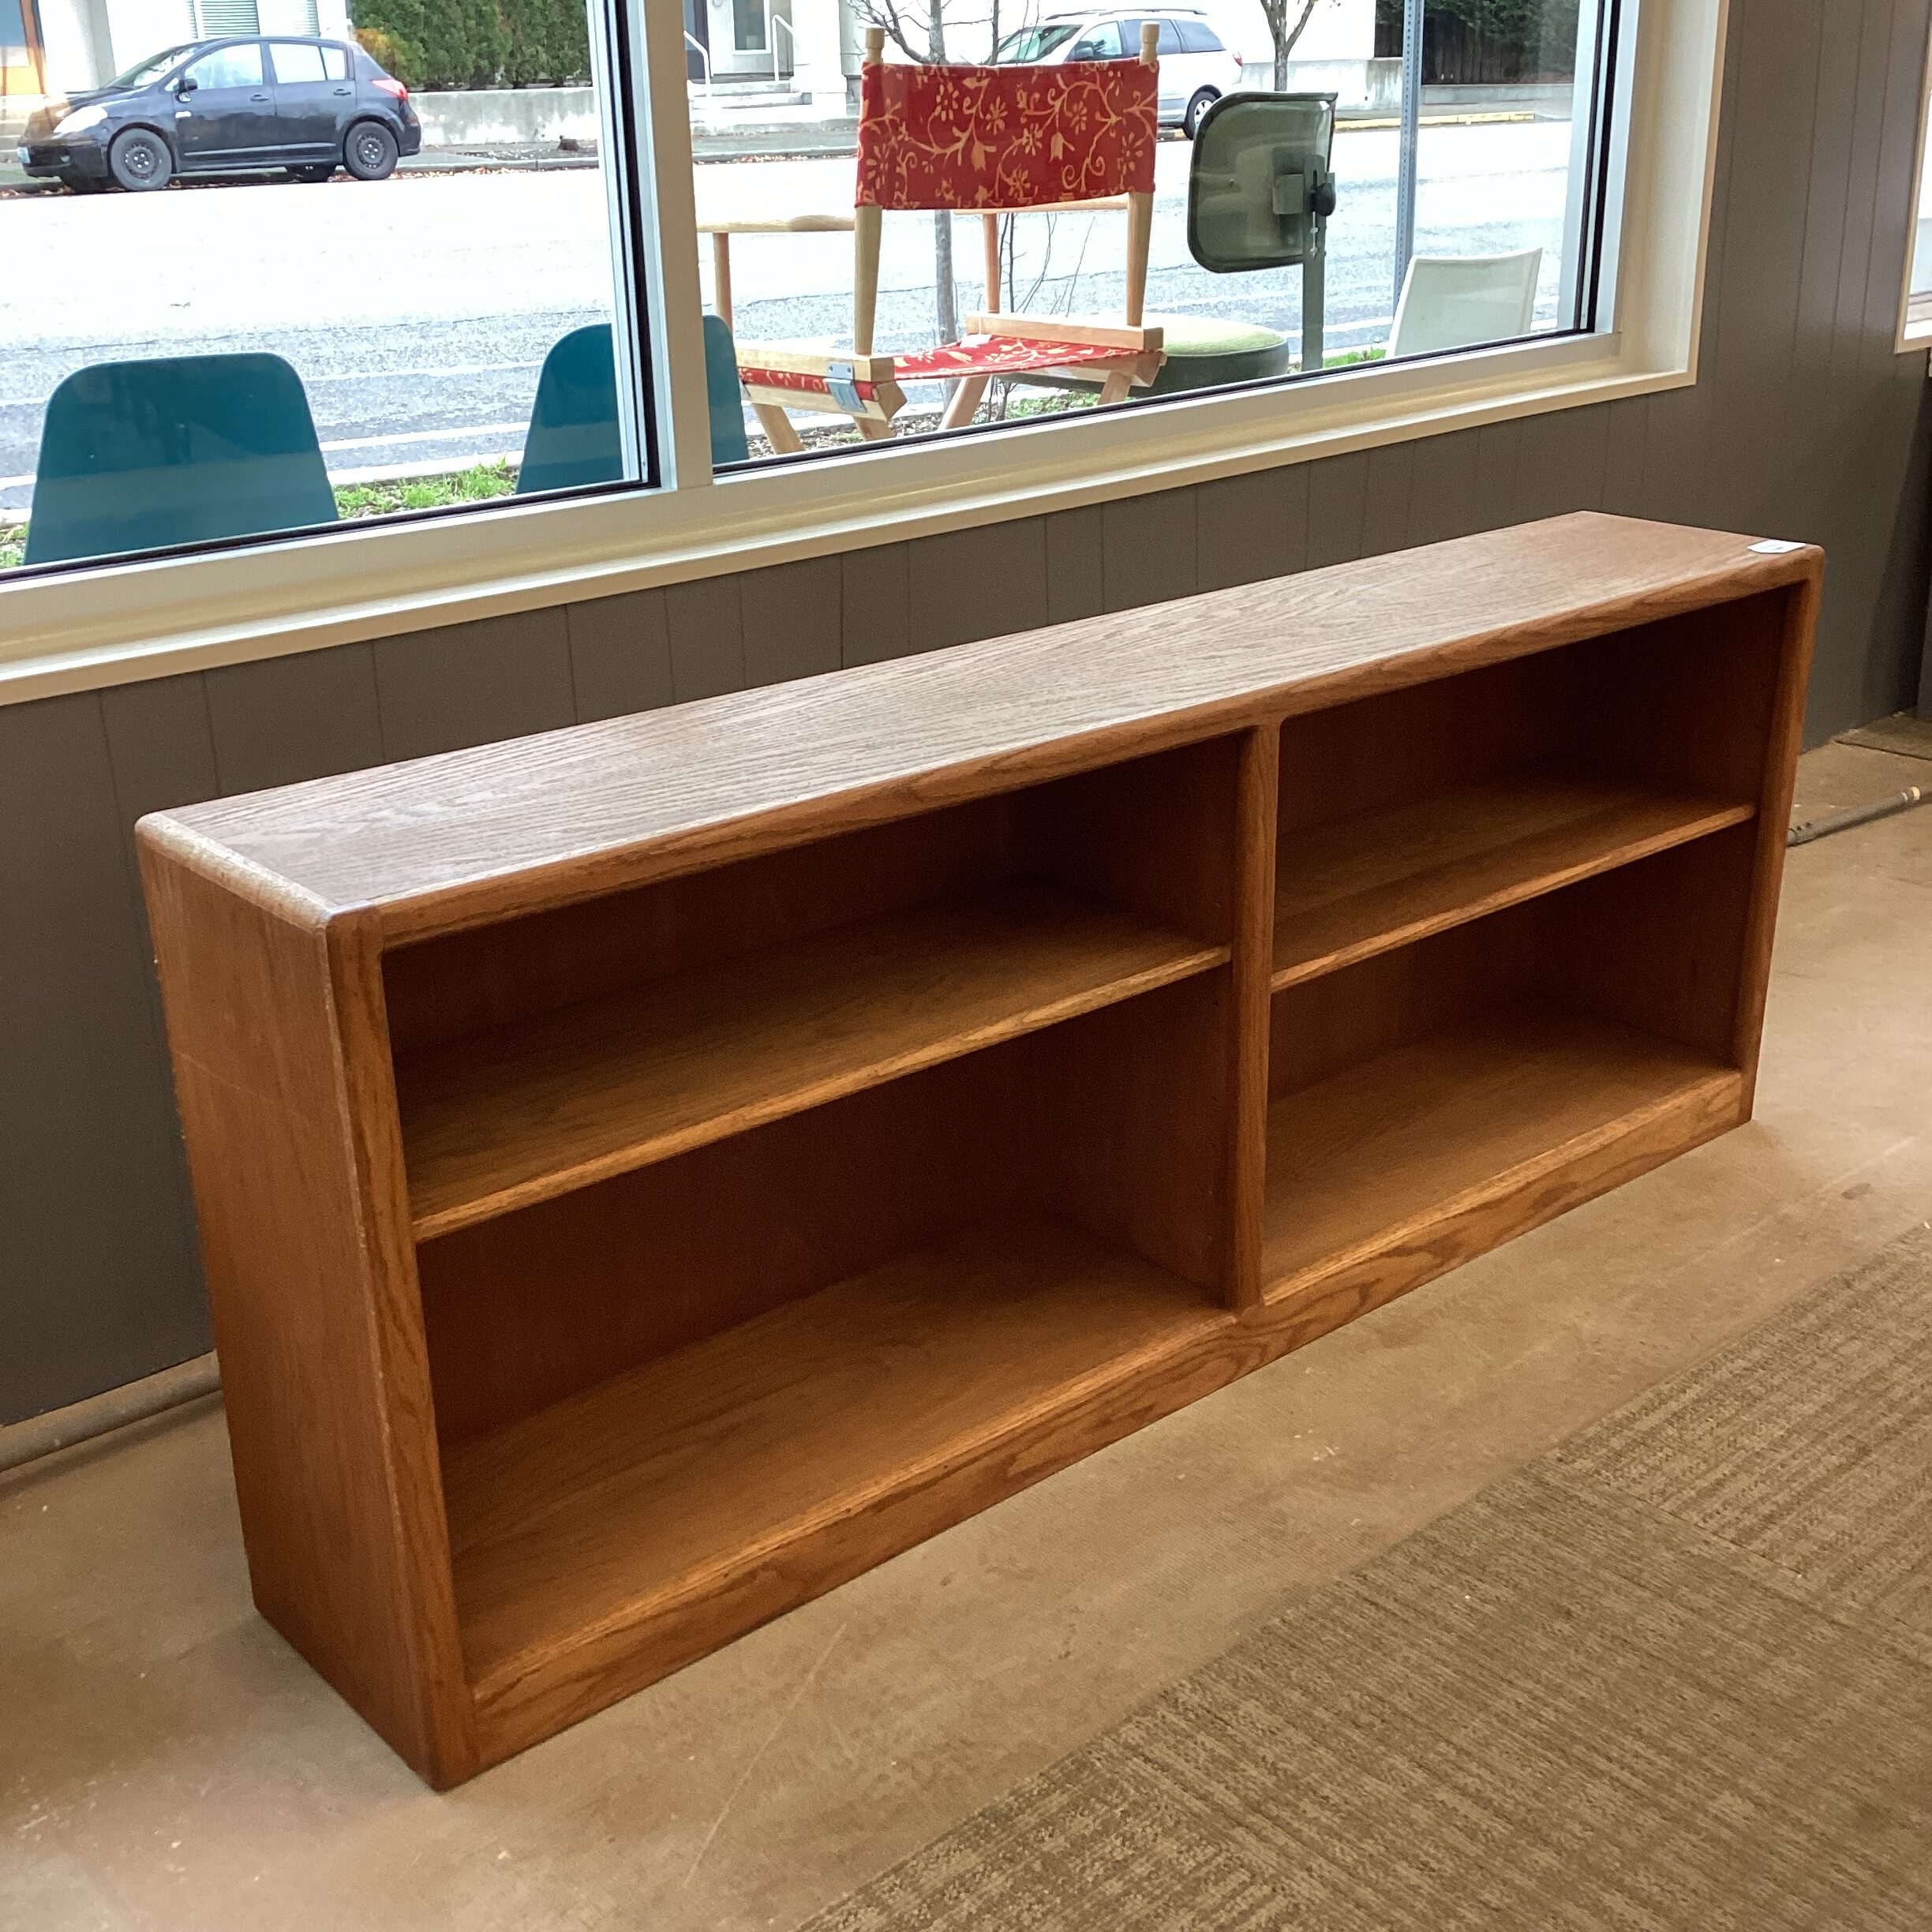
<point x="465" y="837"/>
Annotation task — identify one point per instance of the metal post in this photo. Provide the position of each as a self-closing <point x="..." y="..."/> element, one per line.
<point x="1314" y="277"/>
<point x="1411" y="124"/>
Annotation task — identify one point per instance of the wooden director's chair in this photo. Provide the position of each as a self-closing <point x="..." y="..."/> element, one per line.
<point x="998" y="141"/>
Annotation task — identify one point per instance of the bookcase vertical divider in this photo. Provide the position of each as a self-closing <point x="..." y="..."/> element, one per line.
<point x="1256" y="794"/>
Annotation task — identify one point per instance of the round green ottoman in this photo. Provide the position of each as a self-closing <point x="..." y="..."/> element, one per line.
<point x="1205" y="352"/>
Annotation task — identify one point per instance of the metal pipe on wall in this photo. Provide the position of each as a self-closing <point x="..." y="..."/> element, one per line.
<point x="40" y="1436"/>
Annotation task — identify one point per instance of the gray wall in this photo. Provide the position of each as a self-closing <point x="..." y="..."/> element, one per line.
<point x="1805" y="425"/>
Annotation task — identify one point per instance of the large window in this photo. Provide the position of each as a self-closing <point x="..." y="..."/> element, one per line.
<point x="617" y="289"/>
<point x="1462" y="212"/>
<point x="1915" y="309"/>
<point x="269" y="283"/>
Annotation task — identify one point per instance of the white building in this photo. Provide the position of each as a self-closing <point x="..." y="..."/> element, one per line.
<point x="812" y="43"/>
<point x="86" y="42"/>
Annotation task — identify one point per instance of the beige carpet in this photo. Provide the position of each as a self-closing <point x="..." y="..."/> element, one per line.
<point x="1678" y="1675"/>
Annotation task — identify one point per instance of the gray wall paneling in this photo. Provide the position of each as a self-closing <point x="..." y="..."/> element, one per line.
<point x="1804" y="424"/>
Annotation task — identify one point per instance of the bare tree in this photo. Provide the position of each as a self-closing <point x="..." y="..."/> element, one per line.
<point x="1279" y="14"/>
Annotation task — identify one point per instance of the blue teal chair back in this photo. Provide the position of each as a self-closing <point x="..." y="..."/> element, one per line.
<point x="179" y="450"/>
<point x="572" y="440"/>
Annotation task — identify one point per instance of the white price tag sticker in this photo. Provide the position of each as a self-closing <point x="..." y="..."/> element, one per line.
<point x="1775" y="546"/>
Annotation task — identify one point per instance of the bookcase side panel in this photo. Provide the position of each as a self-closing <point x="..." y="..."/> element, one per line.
<point x="326" y="1385"/>
<point x="1780" y="772"/>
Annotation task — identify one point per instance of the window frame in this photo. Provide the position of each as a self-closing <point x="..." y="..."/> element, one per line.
<point x="114" y="622"/>
<point x="1915" y="317"/>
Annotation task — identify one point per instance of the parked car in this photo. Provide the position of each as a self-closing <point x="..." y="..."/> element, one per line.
<point x="216" y="107"/>
<point x="1196" y="68"/>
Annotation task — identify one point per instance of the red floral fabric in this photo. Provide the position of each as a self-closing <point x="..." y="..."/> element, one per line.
<point x="978" y="355"/>
<point x="1005" y="137"/>
<point x="999" y="355"/>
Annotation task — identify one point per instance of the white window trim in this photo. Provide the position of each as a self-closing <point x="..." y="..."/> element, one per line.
<point x="1914" y="326"/>
<point x="117" y="624"/>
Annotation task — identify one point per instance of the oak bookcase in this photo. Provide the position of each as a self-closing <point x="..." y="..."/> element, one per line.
<point x="649" y="1173"/>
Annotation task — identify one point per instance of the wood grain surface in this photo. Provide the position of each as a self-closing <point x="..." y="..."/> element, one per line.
<point x="467" y="836"/>
<point x="650" y="1172"/>
<point x="502" y="1120"/>
<point x="730" y="1456"/>
<point x="1362" y="1159"/>
<point x="312" y="1286"/>
<point x="1379" y="880"/>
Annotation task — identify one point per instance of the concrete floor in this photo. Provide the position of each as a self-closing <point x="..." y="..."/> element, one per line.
<point x="167" y="1763"/>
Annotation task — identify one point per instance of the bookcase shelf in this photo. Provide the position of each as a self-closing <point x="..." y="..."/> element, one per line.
<point x="705" y="1470"/>
<point x="650" y="1172"/>
<point x="1382" y="878"/>
<point x="1385" y="1154"/>
<point x="498" y="1120"/>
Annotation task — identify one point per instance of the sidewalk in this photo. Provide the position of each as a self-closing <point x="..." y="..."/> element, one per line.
<point x="800" y="139"/>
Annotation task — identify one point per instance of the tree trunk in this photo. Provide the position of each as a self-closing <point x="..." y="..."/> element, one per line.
<point x="945" y="293"/>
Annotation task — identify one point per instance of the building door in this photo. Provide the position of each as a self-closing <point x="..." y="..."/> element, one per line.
<point x="22" y="63"/>
<point x="742" y="36"/>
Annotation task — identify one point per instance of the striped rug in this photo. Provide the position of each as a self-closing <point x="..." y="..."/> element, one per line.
<point x="1674" y="1677"/>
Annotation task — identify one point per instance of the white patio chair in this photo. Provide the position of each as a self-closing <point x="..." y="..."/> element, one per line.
<point x="1452" y="301"/>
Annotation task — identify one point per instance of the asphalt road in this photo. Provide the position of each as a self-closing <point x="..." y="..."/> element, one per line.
<point x="418" y="310"/>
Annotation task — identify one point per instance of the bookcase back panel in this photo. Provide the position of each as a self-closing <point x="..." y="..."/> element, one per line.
<point x="526" y="1309"/>
<point x="1657" y="945"/>
<point x="1116" y="1121"/>
<point x="1686" y="702"/>
<point x="1152" y="835"/>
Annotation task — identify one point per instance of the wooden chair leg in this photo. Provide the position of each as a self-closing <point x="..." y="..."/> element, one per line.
<point x="778" y="431"/>
<point x="872" y="429"/>
<point x="1115" y="388"/>
<point x="966" y="395"/>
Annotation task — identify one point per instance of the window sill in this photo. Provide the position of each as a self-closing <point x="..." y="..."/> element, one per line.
<point x="120" y="623"/>
<point x="1916" y="328"/>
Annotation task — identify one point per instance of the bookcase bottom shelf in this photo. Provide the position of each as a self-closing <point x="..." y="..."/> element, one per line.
<point x="1394" y="1170"/>
<point x="621" y="1533"/>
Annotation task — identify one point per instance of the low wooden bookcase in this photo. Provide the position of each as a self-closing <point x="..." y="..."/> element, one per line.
<point x="649" y="1173"/>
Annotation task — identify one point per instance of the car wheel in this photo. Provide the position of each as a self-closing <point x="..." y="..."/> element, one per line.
<point x="369" y="154"/>
<point x="139" y="159"/>
<point x="1195" y="108"/>
<point x="319" y="172"/>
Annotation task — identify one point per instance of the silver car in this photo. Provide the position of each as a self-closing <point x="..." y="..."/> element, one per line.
<point x="1196" y="69"/>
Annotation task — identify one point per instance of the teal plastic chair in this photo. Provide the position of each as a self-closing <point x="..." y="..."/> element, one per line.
<point x="178" y="450"/>
<point x="572" y="440"/>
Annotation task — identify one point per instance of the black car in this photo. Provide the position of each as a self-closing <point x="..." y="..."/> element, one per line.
<point x="216" y="107"/>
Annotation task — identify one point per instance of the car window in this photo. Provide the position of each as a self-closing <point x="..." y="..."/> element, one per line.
<point x="229" y="67"/>
<point x="1198" y="37"/>
<point x="335" y="62"/>
<point x="151" y="68"/>
<point x="1103" y="43"/>
<point x="1170" y="41"/>
<point x="1033" y="43"/>
<point x="296" y="60"/>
